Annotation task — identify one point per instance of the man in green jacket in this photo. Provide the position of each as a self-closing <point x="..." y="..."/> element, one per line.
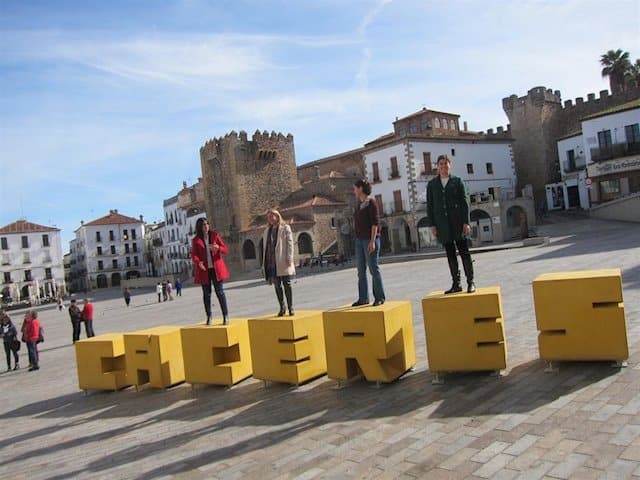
<point x="448" y="212"/>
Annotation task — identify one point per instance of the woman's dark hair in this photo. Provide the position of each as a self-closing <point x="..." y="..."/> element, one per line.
<point x="200" y="227"/>
<point x="364" y="185"/>
<point x="443" y="157"/>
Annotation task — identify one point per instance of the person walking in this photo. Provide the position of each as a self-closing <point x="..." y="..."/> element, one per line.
<point x="207" y="248"/>
<point x="10" y="340"/>
<point x="164" y="290"/>
<point x="75" y="314"/>
<point x="178" y="288"/>
<point x="87" y="317"/>
<point x="448" y="212"/>
<point x="169" y="290"/>
<point x="159" y="291"/>
<point x="127" y="296"/>
<point x="30" y="337"/>
<point x="278" y="259"/>
<point x="367" y="242"/>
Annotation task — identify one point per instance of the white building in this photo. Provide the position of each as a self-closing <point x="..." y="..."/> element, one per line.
<point x="108" y="250"/>
<point x="599" y="163"/>
<point x="32" y="266"/>
<point x="400" y="164"/>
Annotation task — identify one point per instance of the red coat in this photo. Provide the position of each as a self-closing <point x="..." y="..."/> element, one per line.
<point x="87" y="312"/>
<point x="31" y="330"/>
<point x="199" y="254"/>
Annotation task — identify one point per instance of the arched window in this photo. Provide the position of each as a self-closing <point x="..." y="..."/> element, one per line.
<point x="445" y="124"/>
<point x="248" y="250"/>
<point x="305" y="245"/>
<point x="437" y="122"/>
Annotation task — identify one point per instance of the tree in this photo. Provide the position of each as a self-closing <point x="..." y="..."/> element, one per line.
<point x="615" y="66"/>
<point x="633" y="73"/>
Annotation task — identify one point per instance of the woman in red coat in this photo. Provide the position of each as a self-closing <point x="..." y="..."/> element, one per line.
<point x="209" y="268"/>
<point x="31" y="335"/>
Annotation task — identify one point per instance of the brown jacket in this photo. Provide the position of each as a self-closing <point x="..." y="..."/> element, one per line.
<point x="284" y="251"/>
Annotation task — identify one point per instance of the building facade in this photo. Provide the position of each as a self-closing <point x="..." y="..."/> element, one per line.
<point x="108" y="250"/>
<point x="32" y="265"/>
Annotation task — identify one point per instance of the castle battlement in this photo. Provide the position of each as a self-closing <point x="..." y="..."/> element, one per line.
<point x="500" y="132"/>
<point x="536" y="96"/>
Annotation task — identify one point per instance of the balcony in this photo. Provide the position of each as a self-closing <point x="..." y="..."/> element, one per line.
<point x="393" y="173"/>
<point x="392" y="208"/>
<point x="615" y="150"/>
<point x="574" y="166"/>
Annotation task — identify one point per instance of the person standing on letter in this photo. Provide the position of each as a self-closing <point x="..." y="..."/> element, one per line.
<point x="448" y="212"/>
<point x="207" y="249"/>
<point x="278" y="259"/>
<point x="367" y="232"/>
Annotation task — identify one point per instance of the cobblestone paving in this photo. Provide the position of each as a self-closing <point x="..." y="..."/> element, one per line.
<point x="582" y="422"/>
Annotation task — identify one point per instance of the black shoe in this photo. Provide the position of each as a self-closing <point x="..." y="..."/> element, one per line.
<point x="359" y="303"/>
<point x="377" y="303"/>
<point x="208" y="319"/>
<point x="471" y="288"/>
<point x="281" y="312"/>
<point x="291" y="312"/>
<point x="32" y="369"/>
<point x="17" y="367"/>
<point x="455" y="288"/>
<point x="225" y="320"/>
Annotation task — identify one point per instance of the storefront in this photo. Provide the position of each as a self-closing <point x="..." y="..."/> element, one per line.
<point x="613" y="179"/>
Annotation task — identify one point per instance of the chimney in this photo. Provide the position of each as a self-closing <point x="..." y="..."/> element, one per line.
<point x="81" y="222"/>
<point x="184" y="184"/>
<point x="141" y="218"/>
<point x="465" y="126"/>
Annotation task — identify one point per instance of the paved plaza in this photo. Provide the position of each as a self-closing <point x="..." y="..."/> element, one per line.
<point x="582" y="422"/>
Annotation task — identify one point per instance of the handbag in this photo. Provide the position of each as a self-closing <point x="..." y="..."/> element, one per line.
<point x="15" y="345"/>
<point x="41" y="336"/>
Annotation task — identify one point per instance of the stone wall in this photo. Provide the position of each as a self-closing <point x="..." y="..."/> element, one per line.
<point x="348" y="163"/>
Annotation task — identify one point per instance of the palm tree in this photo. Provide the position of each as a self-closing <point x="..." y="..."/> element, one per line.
<point x="633" y="73"/>
<point x="616" y="64"/>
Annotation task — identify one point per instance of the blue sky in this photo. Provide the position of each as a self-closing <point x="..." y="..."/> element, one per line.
<point x="105" y="104"/>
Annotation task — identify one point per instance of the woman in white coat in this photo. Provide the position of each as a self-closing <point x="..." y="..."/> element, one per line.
<point x="277" y="259"/>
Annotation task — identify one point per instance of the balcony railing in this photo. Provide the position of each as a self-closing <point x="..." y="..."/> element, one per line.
<point x="392" y="208"/>
<point x="393" y="173"/>
<point x="615" y="150"/>
<point x="578" y="164"/>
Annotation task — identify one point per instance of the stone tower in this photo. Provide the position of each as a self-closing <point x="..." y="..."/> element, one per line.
<point x="243" y="178"/>
<point x="535" y="125"/>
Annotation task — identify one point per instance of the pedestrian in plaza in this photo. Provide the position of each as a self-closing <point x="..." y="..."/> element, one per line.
<point x="31" y="336"/>
<point x="367" y="242"/>
<point x="448" y="212"/>
<point x="169" y="290"/>
<point x="10" y="340"/>
<point x="207" y="248"/>
<point x="159" y="291"/>
<point x="278" y="259"/>
<point x="75" y="315"/>
<point x="60" y="304"/>
<point x="178" y="288"/>
<point x="87" y="317"/>
<point x="164" y="290"/>
<point x="127" y="296"/>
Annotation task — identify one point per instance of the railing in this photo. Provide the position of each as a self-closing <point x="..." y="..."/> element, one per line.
<point x="568" y="167"/>
<point x="427" y="173"/>
<point x="393" y="173"/>
<point x="615" y="150"/>
<point x="391" y="208"/>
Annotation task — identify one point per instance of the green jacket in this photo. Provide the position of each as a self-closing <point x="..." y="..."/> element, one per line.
<point x="448" y="207"/>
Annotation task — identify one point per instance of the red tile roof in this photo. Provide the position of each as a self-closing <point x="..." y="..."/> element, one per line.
<point x="22" y="226"/>
<point x="314" y="201"/>
<point x="114" y="218"/>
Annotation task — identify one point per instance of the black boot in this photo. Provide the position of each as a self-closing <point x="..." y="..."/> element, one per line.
<point x="280" y="296"/>
<point x="455" y="285"/>
<point x="208" y="319"/>
<point x="289" y="295"/>
<point x="467" y="263"/>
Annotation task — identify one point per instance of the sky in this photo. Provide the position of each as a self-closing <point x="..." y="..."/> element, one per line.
<point x="104" y="105"/>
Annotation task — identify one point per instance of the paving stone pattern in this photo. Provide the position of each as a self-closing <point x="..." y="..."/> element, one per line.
<point x="582" y="422"/>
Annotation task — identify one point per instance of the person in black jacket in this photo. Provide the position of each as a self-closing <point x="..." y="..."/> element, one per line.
<point x="9" y="335"/>
<point x="75" y="314"/>
<point x="448" y="212"/>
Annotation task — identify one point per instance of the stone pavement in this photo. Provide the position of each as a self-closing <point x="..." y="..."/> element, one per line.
<point x="582" y="422"/>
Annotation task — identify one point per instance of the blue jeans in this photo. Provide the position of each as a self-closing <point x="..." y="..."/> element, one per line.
<point x="364" y="259"/>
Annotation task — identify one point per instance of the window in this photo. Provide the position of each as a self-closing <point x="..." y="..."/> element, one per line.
<point x="100" y="265"/>
<point x="99" y="250"/>
<point x="135" y="247"/>
<point x="426" y="160"/>
<point x="45" y="240"/>
<point x="490" y="168"/>
<point x="26" y="258"/>
<point x="424" y="124"/>
<point x="113" y="249"/>
<point x="376" y="172"/>
<point x="27" y="275"/>
<point x="114" y="263"/>
<point x="135" y="260"/>
<point x="632" y="133"/>
<point x="454" y="125"/>
<point x="47" y="274"/>
<point x="125" y="234"/>
<point x="394" y="167"/>
<point x="7" y="277"/>
<point x="126" y="248"/>
<point x="604" y="138"/>
<point x="379" y="202"/>
<point x="333" y="222"/>
<point x="128" y="261"/>
<point x="112" y="237"/>
<point x="397" y="201"/>
<point x="571" y="161"/>
<point x="133" y="234"/>
<point x="437" y="122"/>
<point x="453" y="152"/>
<point x="98" y="238"/>
<point x="25" y="241"/>
<point x="470" y="168"/>
<point x="5" y="244"/>
<point x="413" y="127"/>
<point x="492" y="192"/>
<point x="401" y="131"/>
<point x="445" y="124"/>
